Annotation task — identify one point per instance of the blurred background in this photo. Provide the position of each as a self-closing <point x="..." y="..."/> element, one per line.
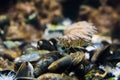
<point x="19" y="17"/>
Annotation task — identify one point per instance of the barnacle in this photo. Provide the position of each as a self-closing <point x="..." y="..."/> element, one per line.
<point x="78" y="34"/>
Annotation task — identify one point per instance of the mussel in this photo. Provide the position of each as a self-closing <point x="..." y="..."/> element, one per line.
<point x="67" y="61"/>
<point x="42" y="65"/>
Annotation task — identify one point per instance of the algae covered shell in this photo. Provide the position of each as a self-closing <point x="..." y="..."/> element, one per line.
<point x="66" y="61"/>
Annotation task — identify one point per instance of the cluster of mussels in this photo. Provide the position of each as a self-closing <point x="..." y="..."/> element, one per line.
<point x="25" y="56"/>
<point x="62" y="58"/>
<point x="43" y="60"/>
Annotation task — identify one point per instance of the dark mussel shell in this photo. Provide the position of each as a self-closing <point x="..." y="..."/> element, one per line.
<point x="46" y="45"/>
<point x="100" y="56"/>
<point x="107" y="55"/>
<point x="42" y="65"/>
<point x="67" y="62"/>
